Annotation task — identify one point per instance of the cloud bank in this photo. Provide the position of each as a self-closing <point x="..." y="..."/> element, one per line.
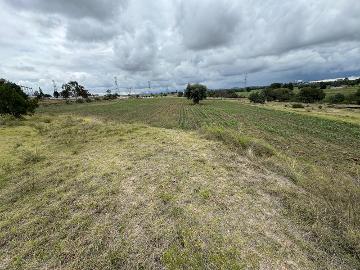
<point x="173" y="42"/>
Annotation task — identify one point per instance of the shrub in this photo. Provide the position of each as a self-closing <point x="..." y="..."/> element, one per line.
<point x="297" y="106"/>
<point x="180" y="94"/>
<point x="337" y="98"/>
<point x="224" y="93"/>
<point x="310" y="95"/>
<point x="79" y="100"/>
<point x="196" y="92"/>
<point x="354" y="98"/>
<point x="279" y="94"/>
<point x="257" y="97"/>
<point x="14" y="101"/>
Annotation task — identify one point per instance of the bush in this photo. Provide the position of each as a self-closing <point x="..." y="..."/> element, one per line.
<point x="224" y="93"/>
<point x="354" y="98"/>
<point x="337" y="98"/>
<point x="310" y="95"/>
<point x="297" y="106"/>
<point x="196" y="92"/>
<point x="110" y="96"/>
<point x="79" y="100"/>
<point x="14" y="101"/>
<point x="279" y="94"/>
<point x="180" y="94"/>
<point x="257" y="97"/>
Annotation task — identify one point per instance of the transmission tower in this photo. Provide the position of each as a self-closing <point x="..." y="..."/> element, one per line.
<point x="54" y="85"/>
<point x="116" y="85"/>
<point x="149" y="82"/>
<point x="245" y="79"/>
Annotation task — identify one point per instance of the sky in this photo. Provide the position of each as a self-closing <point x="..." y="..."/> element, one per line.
<point x="175" y="42"/>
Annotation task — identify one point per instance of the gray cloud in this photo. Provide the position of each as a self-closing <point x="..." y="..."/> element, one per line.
<point x="99" y="9"/>
<point x="89" y="30"/>
<point x="207" y="24"/>
<point x="172" y="42"/>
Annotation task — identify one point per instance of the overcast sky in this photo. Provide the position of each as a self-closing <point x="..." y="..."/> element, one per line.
<point x="173" y="42"/>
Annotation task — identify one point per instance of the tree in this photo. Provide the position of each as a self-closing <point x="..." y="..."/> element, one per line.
<point x="323" y="85"/>
<point x="289" y="86"/>
<point x="39" y="94"/>
<point x="180" y="94"/>
<point x="310" y="95"/>
<point x="14" y="101"/>
<point x="275" y="85"/>
<point x="257" y="97"/>
<point x="73" y="89"/>
<point x="110" y="96"/>
<point x="56" y="94"/>
<point x="196" y="92"/>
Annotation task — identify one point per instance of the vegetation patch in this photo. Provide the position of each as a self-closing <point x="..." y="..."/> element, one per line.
<point x="237" y="140"/>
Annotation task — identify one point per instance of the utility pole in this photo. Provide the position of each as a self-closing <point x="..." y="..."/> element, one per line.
<point x="245" y="79"/>
<point x="149" y="82"/>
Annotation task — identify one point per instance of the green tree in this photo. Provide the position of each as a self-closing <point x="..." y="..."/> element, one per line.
<point x="56" y="94"/>
<point x="14" y="101"/>
<point x="257" y="97"/>
<point x="311" y="95"/>
<point x="289" y="86"/>
<point x="195" y="92"/>
<point x="275" y="85"/>
<point x="74" y="89"/>
<point x="323" y="85"/>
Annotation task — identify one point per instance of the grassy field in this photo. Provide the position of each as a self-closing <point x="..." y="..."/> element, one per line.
<point x="161" y="183"/>
<point x="329" y="92"/>
<point x="345" y="91"/>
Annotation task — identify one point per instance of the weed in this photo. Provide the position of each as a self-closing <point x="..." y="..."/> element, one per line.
<point x="31" y="157"/>
<point x="297" y="106"/>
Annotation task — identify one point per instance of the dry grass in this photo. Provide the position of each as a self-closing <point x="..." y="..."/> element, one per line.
<point x="77" y="193"/>
<point x="320" y="110"/>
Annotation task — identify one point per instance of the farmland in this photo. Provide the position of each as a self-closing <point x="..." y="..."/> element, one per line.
<point x="163" y="183"/>
<point x="286" y="131"/>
